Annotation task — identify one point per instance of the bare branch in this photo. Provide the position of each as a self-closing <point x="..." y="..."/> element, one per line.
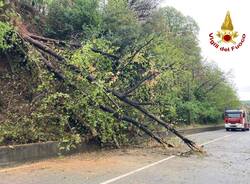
<point x="110" y="56"/>
<point x="43" y="47"/>
<point x="59" y="42"/>
<point x="190" y="143"/>
<point x="58" y="74"/>
<point x="135" y="123"/>
<point x="212" y="87"/>
<point x="150" y="76"/>
<point x="140" y="48"/>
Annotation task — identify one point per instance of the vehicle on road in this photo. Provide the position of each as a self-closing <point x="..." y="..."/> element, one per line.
<point x="236" y="119"/>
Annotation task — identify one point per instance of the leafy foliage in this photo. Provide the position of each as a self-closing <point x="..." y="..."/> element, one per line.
<point x="72" y="17"/>
<point x="8" y="38"/>
<point x="121" y="46"/>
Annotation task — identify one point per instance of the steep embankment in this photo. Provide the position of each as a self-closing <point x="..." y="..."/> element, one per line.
<point x="15" y="82"/>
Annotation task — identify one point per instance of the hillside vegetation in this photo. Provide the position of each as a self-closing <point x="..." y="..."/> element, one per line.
<point x="246" y="102"/>
<point x="105" y="71"/>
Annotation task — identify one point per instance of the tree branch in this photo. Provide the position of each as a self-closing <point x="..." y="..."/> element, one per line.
<point x="135" y="123"/>
<point x="150" y="76"/>
<point x="140" y="48"/>
<point x="31" y="38"/>
<point x="110" y="56"/>
<point x="190" y="143"/>
<point x="131" y="103"/>
<point x="59" y="42"/>
<point x="212" y="87"/>
<point x="42" y="47"/>
<point x="58" y="74"/>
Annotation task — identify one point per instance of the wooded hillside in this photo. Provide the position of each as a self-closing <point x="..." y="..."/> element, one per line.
<point x="107" y="71"/>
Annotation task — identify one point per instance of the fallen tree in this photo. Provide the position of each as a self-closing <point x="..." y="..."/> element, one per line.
<point x="34" y="40"/>
<point x="42" y="45"/>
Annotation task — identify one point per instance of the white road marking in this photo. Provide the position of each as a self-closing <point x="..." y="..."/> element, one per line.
<point x="137" y="170"/>
<point x="214" y="140"/>
<point x="124" y="175"/>
<point x="155" y="163"/>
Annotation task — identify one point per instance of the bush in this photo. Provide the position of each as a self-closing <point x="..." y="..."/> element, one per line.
<point x="66" y="18"/>
<point x="8" y="37"/>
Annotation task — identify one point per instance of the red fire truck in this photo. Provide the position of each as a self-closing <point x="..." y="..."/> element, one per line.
<point x="236" y="119"/>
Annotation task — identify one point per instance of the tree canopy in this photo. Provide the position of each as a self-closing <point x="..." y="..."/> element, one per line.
<point x="105" y="63"/>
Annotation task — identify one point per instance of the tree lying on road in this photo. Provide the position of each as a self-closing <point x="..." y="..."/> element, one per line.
<point x="124" y="69"/>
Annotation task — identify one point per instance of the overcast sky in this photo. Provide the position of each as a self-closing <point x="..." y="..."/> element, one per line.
<point x="210" y="14"/>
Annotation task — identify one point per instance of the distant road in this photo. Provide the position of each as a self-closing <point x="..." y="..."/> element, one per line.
<point x="227" y="162"/>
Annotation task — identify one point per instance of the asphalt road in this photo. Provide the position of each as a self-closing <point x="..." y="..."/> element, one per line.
<point x="227" y="161"/>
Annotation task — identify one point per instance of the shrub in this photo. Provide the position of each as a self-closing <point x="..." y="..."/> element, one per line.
<point x="66" y="18"/>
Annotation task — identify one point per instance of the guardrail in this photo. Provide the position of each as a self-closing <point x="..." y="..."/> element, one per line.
<point x="188" y="131"/>
<point x="13" y="155"/>
<point x="200" y="129"/>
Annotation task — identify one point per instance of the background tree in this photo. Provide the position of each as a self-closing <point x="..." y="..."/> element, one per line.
<point x="111" y="75"/>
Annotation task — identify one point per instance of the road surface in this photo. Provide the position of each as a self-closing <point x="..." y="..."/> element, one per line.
<point x="227" y="161"/>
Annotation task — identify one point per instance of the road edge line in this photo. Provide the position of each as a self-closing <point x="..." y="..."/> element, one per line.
<point x="214" y="140"/>
<point x="137" y="170"/>
<point x="124" y="175"/>
<point x="156" y="163"/>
